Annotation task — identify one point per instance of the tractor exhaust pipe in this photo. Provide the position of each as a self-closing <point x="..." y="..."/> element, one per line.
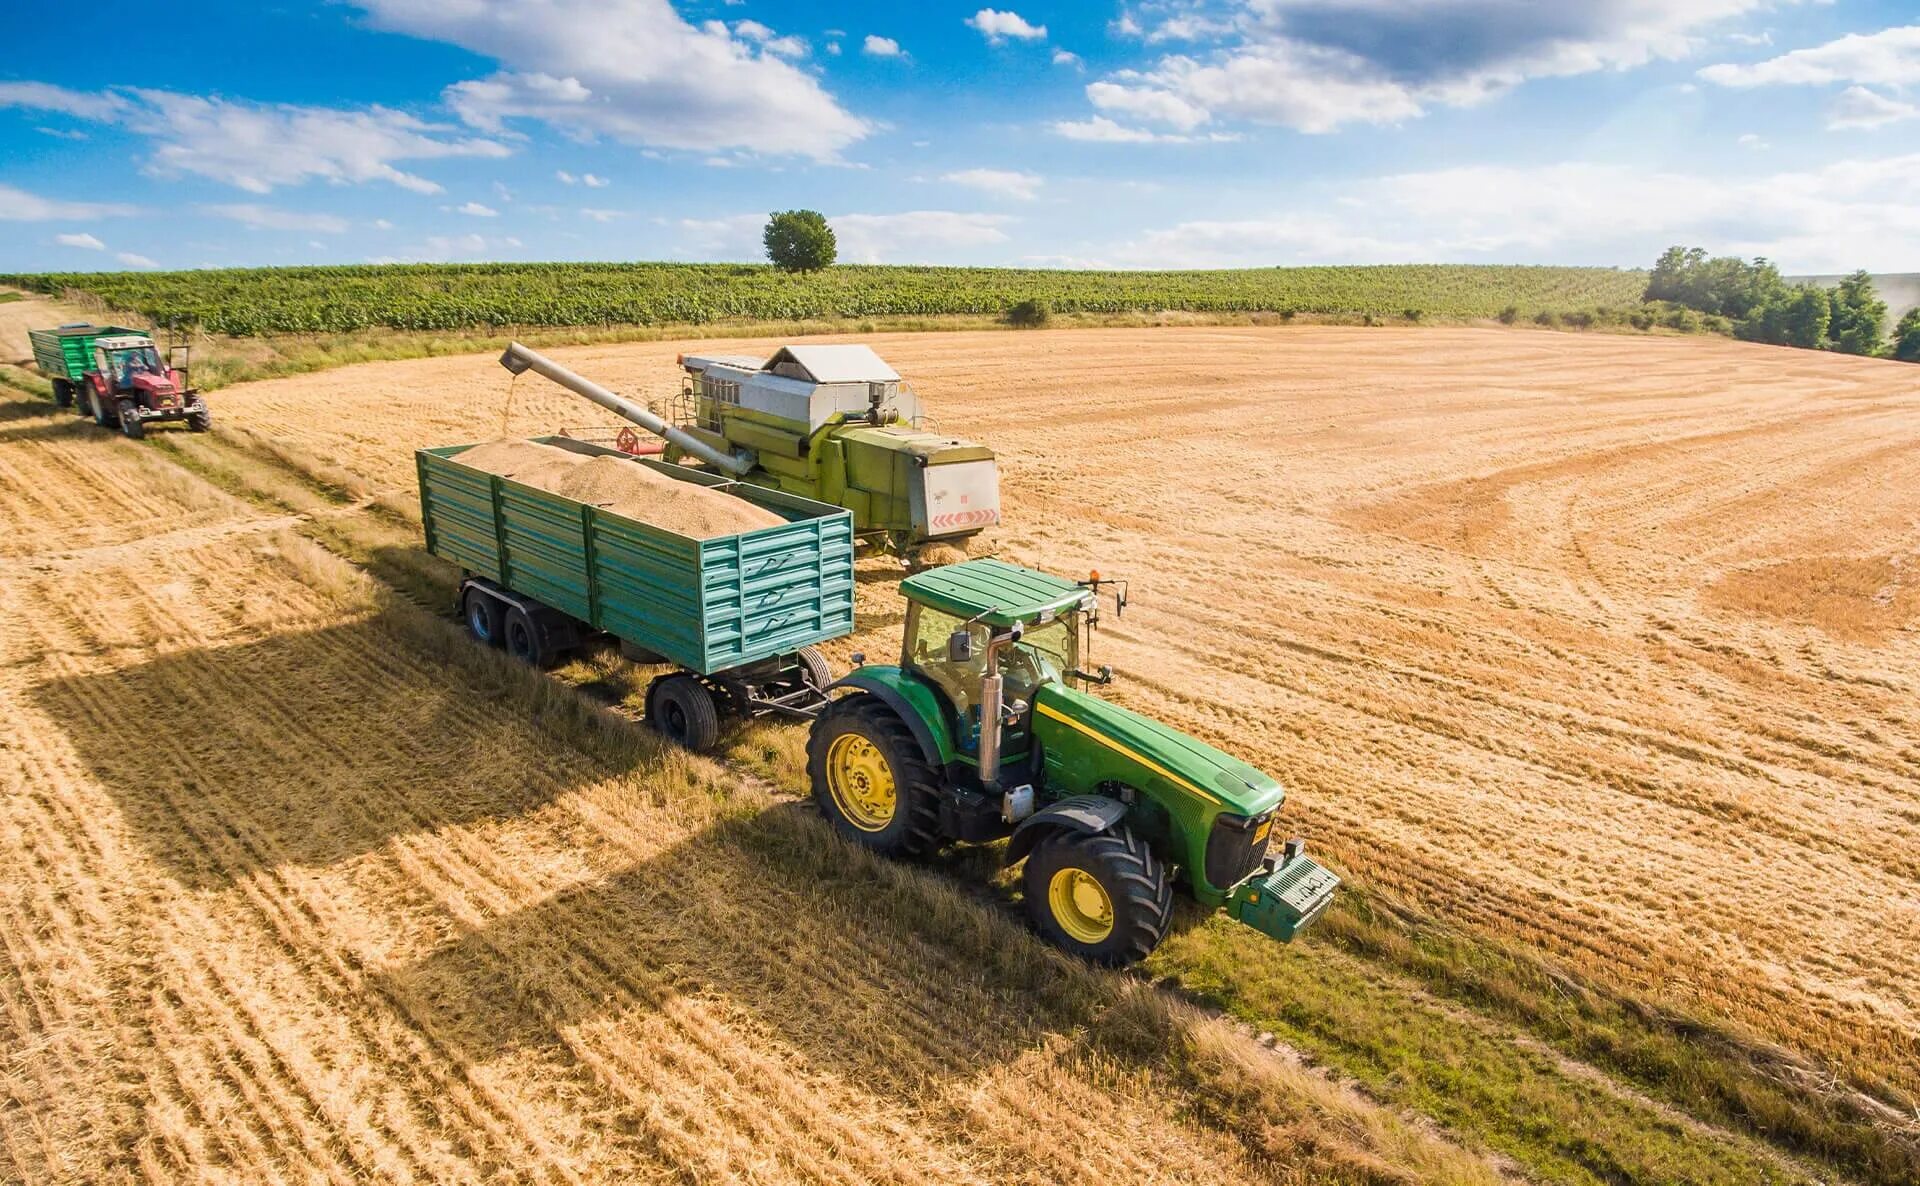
<point x="518" y="359"/>
<point x="992" y="708"/>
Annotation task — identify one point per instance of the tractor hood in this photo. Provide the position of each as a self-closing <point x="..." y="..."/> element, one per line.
<point x="150" y="384"/>
<point x="1218" y="778"/>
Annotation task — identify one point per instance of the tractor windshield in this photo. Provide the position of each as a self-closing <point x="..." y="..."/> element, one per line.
<point x="1043" y="653"/>
<point x="136" y="360"/>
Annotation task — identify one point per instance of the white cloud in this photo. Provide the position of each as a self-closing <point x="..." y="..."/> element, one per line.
<point x="80" y="240"/>
<point x="135" y="261"/>
<point x="997" y="26"/>
<point x="258" y="147"/>
<point x="1023" y="187"/>
<point x="64" y="133"/>
<point x="876" y="46"/>
<point x="916" y="236"/>
<point x="1318" y="65"/>
<point x="17" y="205"/>
<point x="1890" y="57"/>
<point x="593" y="182"/>
<point x="270" y="218"/>
<point x="1065" y="57"/>
<point x="381" y="224"/>
<point x="1101" y="130"/>
<point x="1831" y="219"/>
<point x="565" y="177"/>
<point x="601" y="215"/>
<point x="635" y="72"/>
<point x="1858" y="107"/>
<point x="833" y="49"/>
<point x="473" y="210"/>
<point x="1752" y="140"/>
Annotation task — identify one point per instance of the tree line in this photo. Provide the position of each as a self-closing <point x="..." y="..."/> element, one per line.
<point x="1762" y="306"/>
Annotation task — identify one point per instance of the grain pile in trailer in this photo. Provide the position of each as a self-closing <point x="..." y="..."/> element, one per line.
<point x="618" y="485"/>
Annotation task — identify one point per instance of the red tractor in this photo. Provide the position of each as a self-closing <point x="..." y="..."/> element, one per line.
<point x="117" y="376"/>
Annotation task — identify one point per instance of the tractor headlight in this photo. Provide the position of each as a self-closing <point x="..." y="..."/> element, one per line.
<point x="1236" y="846"/>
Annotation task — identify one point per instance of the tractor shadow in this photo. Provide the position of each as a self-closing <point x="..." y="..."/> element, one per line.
<point x="310" y="748"/>
<point x="770" y="926"/>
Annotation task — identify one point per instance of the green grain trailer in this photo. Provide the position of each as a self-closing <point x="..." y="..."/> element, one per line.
<point x="737" y="614"/>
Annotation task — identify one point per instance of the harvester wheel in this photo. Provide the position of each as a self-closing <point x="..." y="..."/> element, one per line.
<point x="200" y="419"/>
<point x="483" y="617"/>
<point x="1105" y="898"/>
<point x="62" y="394"/>
<point x="681" y="709"/>
<point x="130" y="422"/>
<point x="814" y="668"/>
<point x="870" y="779"/>
<point x="524" y="641"/>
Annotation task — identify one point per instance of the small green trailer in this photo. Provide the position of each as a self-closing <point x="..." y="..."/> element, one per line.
<point x="739" y="614"/>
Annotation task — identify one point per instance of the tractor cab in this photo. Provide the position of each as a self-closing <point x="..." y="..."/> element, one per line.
<point x="967" y="622"/>
<point x="132" y="364"/>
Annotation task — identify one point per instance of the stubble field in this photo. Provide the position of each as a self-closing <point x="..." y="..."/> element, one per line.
<point x="1606" y="645"/>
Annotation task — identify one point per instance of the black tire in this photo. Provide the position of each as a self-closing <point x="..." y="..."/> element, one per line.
<point x="864" y="725"/>
<point x="483" y="617"/>
<point x="814" y="668"/>
<point x="1133" y="889"/>
<point x="130" y="423"/>
<point x="200" y="419"/>
<point x="525" y="640"/>
<point x="681" y="709"/>
<point x="97" y="408"/>
<point x="62" y="394"/>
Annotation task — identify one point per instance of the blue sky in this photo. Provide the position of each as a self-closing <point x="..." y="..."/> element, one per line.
<point x="1203" y="133"/>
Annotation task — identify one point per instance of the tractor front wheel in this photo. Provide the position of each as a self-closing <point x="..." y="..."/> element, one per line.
<point x="1105" y="898"/>
<point x="199" y="420"/>
<point x="870" y="779"/>
<point x="130" y="421"/>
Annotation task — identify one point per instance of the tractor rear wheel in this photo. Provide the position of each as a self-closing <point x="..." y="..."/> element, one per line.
<point x="62" y="394"/>
<point x="1105" y="898"/>
<point x="97" y="408"/>
<point x="681" y="709"/>
<point x="130" y="421"/>
<point x="870" y="779"/>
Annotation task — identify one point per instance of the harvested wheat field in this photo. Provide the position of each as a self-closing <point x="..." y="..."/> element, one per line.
<point x="301" y="886"/>
<point x="1603" y="644"/>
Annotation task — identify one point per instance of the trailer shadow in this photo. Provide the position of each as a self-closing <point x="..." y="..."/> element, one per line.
<point x="767" y="927"/>
<point x="309" y="748"/>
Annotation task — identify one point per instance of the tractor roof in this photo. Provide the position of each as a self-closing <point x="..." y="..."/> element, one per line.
<point x="997" y="593"/>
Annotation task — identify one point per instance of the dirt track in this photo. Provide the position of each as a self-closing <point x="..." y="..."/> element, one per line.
<point x="1604" y="643"/>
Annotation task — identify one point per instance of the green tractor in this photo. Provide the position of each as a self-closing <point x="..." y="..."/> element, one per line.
<point x="979" y="733"/>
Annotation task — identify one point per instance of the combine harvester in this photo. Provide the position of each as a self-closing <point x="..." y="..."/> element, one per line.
<point x="830" y="423"/>
<point x="116" y="376"/>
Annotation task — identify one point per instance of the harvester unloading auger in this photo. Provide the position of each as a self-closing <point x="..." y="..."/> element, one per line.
<point x="830" y="423"/>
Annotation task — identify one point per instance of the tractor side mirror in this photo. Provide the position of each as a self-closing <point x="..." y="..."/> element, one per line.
<point x="960" y="647"/>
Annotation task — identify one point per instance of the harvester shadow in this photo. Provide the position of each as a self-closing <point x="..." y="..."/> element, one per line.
<point x="772" y="928"/>
<point x="309" y="748"/>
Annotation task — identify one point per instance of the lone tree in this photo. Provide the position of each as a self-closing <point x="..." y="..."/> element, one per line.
<point x="1906" y="338"/>
<point x="799" y="241"/>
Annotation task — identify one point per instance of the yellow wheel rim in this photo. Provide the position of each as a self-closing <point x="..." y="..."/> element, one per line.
<point x="1080" y="905"/>
<point x="861" y="782"/>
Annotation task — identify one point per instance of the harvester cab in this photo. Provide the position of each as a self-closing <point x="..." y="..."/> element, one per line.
<point x="980" y="732"/>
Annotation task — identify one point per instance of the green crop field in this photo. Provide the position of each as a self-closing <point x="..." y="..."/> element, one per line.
<point x="442" y="297"/>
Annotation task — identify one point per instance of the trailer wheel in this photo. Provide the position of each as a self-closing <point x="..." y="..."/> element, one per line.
<point x="483" y="617"/>
<point x="1103" y="897"/>
<point x="524" y="640"/>
<point x="129" y="422"/>
<point x="681" y="709"/>
<point x="200" y="419"/>
<point x="62" y="394"/>
<point x="870" y="780"/>
<point x="815" y="672"/>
